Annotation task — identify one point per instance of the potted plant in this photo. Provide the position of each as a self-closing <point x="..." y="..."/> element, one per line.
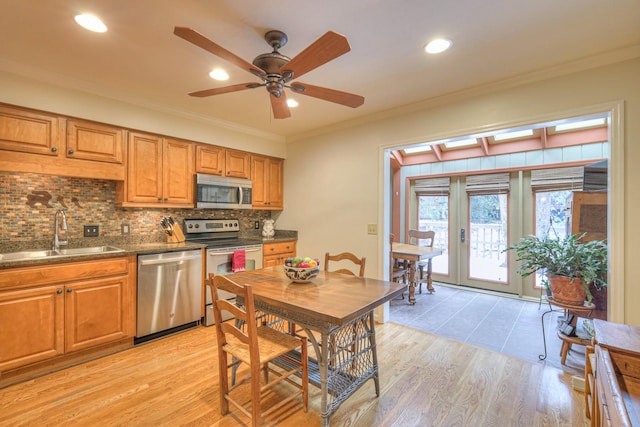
<point x="570" y="265"/>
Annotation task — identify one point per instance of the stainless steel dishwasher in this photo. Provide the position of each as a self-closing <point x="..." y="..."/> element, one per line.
<point x="169" y="293"/>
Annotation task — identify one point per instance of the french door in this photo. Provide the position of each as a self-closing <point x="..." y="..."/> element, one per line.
<point x="472" y="226"/>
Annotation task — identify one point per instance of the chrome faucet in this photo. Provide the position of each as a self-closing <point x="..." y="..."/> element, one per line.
<point x="56" y="239"/>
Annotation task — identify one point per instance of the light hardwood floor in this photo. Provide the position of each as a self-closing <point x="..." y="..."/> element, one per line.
<point x="426" y="380"/>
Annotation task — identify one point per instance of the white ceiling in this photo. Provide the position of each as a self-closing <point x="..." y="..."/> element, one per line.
<point x="139" y="60"/>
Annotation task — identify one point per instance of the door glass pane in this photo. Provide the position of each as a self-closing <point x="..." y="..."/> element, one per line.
<point x="550" y="216"/>
<point x="488" y="237"/>
<point x="433" y="214"/>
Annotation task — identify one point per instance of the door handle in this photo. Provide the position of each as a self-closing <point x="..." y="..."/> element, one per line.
<point x="462" y="235"/>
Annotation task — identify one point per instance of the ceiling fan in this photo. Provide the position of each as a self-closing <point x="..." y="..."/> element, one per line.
<point x="277" y="70"/>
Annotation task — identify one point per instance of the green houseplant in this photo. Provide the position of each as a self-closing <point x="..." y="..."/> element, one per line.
<point x="568" y="261"/>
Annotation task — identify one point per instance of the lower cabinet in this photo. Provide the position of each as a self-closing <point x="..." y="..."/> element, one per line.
<point x="275" y="253"/>
<point x="89" y="304"/>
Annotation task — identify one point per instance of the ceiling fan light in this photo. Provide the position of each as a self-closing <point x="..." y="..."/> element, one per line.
<point x="438" y="45"/>
<point x="292" y="102"/>
<point x="219" y="74"/>
<point x="91" y="23"/>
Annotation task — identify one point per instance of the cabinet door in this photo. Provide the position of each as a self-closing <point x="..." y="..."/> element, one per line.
<point x="32" y="325"/>
<point x="259" y="187"/>
<point x="210" y="159"/>
<point x="144" y="170"/>
<point x="96" y="312"/>
<point x="94" y="141"/>
<point x="237" y="164"/>
<point x="29" y="132"/>
<point x="275" y="183"/>
<point x="178" y="180"/>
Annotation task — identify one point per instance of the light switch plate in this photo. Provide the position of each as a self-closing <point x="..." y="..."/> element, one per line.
<point x="372" y="229"/>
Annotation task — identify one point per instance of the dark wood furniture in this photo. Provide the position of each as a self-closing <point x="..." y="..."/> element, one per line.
<point x="334" y="305"/>
<point x="413" y="254"/>
<point x="612" y="375"/>
<point x="398" y="271"/>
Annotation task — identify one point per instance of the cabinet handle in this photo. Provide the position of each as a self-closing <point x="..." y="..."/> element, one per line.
<point x="159" y="199"/>
<point x="69" y="290"/>
<point x="70" y="152"/>
<point x="220" y="171"/>
<point x="59" y="291"/>
<point x="54" y="149"/>
<point x="166" y="199"/>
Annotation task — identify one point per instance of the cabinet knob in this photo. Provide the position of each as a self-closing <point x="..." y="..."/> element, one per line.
<point x="166" y="199"/>
<point x="54" y="149"/>
<point x="220" y="171"/>
<point x="159" y="199"/>
<point x="69" y="290"/>
<point x="59" y="291"/>
<point x="70" y="152"/>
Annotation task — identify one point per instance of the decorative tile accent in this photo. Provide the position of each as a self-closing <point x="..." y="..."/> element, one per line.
<point x="28" y="203"/>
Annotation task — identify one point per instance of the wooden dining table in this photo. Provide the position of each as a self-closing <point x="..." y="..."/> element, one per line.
<point x="340" y="308"/>
<point x="413" y="254"/>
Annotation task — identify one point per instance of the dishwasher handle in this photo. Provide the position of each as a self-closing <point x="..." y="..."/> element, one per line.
<point x="176" y="260"/>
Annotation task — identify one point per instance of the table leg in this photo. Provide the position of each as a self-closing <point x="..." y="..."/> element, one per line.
<point x="412" y="282"/>
<point x="323" y="365"/>
<point x="429" y="279"/>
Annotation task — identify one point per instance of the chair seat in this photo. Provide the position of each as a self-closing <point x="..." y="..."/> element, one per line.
<point x="272" y="344"/>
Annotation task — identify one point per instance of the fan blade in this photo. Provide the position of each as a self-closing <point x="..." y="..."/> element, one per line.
<point x="199" y="40"/>
<point x="280" y="107"/>
<point x="331" y="95"/>
<point x="226" y="89"/>
<point x="330" y="46"/>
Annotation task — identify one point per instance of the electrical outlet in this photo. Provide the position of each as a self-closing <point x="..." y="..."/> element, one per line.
<point x="124" y="228"/>
<point x="91" y="231"/>
<point x="256" y="225"/>
<point x="372" y="229"/>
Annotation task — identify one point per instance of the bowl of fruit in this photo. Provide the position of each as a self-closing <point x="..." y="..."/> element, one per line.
<point x="301" y="270"/>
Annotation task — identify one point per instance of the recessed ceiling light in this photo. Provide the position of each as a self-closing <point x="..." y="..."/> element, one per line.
<point x="292" y="102"/>
<point x="438" y="45"/>
<point x="219" y="74"/>
<point x="91" y="23"/>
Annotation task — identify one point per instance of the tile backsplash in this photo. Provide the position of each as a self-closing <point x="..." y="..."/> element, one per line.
<point x="28" y="203"/>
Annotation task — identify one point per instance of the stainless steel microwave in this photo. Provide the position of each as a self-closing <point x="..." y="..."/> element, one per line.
<point x="218" y="192"/>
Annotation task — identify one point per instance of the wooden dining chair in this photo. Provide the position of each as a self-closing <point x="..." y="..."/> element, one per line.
<point x="423" y="238"/>
<point x="398" y="271"/>
<point x="345" y="256"/>
<point x="260" y="348"/>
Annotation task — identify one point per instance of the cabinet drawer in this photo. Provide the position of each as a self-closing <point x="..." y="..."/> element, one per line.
<point x="53" y="274"/>
<point x="626" y="365"/>
<point x="279" y="248"/>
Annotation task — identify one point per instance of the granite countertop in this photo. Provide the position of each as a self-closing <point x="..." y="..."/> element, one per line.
<point x="130" y="246"/>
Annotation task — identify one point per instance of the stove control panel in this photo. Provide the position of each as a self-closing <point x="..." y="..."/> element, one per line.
<point x="211" y="225"/>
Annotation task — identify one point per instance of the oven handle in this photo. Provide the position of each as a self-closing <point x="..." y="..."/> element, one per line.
<point x="216" y="253"/>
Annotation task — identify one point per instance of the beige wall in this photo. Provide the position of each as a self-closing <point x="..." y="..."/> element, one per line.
<point x="332" y="181"/>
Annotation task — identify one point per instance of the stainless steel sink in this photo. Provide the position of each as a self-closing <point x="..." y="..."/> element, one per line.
<point x="48" y="254"/>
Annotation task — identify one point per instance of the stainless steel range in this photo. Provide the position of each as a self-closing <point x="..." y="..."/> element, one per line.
<point x="222" y="238"/>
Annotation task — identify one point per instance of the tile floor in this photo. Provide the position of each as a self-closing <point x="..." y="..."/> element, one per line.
<point x="504" y="324"/>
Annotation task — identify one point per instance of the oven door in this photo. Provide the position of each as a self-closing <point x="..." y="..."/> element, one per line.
<point x="219" y="261"/>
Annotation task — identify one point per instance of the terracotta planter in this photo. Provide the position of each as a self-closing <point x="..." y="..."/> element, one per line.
<point x="566" y="291"/>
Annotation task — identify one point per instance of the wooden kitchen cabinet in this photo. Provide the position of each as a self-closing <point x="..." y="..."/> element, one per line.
<point x="275" y="253"/>
<point x="52" y="313"/>
<point x="213" y="160"/>
<point x="40" y="142"/>
<point x="267" y="182"/>
<point x="95" y="142"/>
<point x="159" y="173"/>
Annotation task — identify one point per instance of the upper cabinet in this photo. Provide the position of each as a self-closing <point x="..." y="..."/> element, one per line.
<point x="159" y="173"/>
<point x="95" y="142"/>
<point x="267" y="179"/>
<point x="38" y="142"/>
<point x="221" y="161"/>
